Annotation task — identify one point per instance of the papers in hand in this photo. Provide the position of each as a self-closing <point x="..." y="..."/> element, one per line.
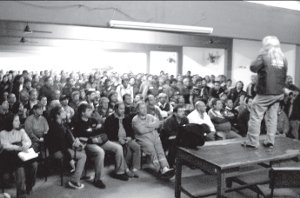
<point x="27" y="155"/>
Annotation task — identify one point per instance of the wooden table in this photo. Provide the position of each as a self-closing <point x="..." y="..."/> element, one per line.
<point x="226" y="158"/>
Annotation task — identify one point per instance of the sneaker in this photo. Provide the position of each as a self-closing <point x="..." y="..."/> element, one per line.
<point x="268" y="145"/>
<point x="5" y="195"/>
<point x="122" y="177"/>
<point x="130" y="174"/>
<point x="135" y="174"/>
<point x="75" y="185"/>
<point x="167" y="173"/>
<point x="244" y="144"/>
<point x="99" y="184"/>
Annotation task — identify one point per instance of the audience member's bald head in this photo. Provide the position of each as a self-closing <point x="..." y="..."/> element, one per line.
<point x="200" y="106"/>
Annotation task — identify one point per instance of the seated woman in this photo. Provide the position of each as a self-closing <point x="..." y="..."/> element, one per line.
<point x="222" y="124"/>
<point x="145" y="127"/>
<point x="19" y="109"/>
<point x="36" y="126"/>
<point x="14" y="139"/>
<point x="62" y="145"/>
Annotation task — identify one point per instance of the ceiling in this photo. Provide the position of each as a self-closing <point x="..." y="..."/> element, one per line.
<point x="18" y="36"/>
<point x="84" y="24"/>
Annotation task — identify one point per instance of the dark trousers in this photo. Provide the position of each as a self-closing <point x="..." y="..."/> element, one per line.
<point x="25" y="172"/>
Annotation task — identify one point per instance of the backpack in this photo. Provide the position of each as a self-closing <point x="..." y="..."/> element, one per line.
<point x="192" y="135"/>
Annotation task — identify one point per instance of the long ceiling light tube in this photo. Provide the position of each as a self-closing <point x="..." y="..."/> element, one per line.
<point x="159" y="27"/>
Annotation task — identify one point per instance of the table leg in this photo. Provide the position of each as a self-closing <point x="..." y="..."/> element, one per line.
<point x="221" y="185"/>
<point x="178" y="178"/>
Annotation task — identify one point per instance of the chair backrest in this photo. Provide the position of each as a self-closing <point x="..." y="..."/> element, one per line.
<point x="284" y="177"/>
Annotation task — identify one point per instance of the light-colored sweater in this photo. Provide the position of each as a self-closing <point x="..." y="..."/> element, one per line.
<point x="8" y="139"/>
<point x="143" y="126"/>
<point x="36" y="127"/>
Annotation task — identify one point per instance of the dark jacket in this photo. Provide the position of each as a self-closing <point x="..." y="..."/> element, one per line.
<point x="59" y="138"/>
<point x="295" y="114"/>
<point x="48" y="92"/>
<point x="111" y="127"/>
<point x="213" y="93"/>
<point x="235" y="95"/>
<point x="171" y="127"/>
<point x="81" y="127"/>
<point x="271" y="78"/>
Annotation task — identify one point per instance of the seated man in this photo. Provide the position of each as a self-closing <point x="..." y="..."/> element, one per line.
<point x="283" y="125"/>
<point x="152" y="108"/>
<point x="129" y="107"/>
<point x="86" y="127"/>
<point x="222" y="124"/>
<point x="119" y="130"/>
<point x="145" y="126"/>
<point x="230" y="113"/>
<point x="64" y="147"/>
<point x="164" y="106"/>
<point x="199" y="116"/>
<point x="243" y="115"/>
<point x="170" y="129"/>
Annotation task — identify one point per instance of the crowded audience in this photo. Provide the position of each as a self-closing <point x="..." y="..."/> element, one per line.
<point x="83" y="117"/>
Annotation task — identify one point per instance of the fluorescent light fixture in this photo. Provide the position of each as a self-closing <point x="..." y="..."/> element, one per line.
<point x="159" y="27"/>
<point x="291" y="5"/>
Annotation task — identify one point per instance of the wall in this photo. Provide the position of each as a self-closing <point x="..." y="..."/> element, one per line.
<point x="235" y="19"/>
<point x="197" y="61"/>
<point x="245" y="51"/>
<point x="67" y="60"/>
